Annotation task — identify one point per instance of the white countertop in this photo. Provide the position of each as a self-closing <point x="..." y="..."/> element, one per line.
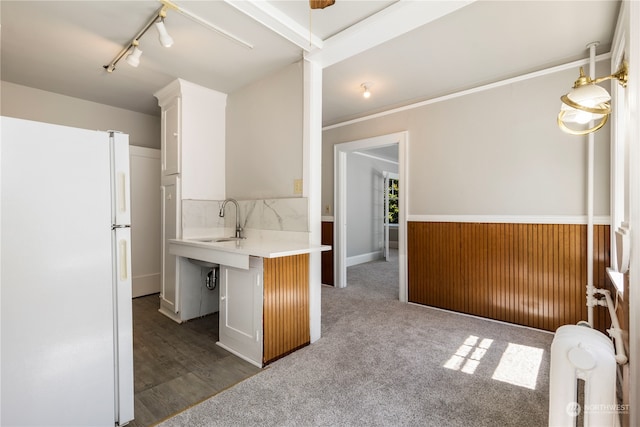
<point x="259" y="243"/>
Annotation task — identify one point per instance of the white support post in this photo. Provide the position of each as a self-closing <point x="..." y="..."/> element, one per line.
<point x="591" y="300"/>
<point x="312" y="185"/>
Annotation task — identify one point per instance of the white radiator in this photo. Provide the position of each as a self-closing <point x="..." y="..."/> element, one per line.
<point x="579" y="352"/>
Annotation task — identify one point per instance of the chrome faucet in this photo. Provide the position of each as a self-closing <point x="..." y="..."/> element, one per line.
<point x="238" y="227"/>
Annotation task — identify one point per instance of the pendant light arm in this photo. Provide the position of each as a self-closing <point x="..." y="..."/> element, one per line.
<point x="621" y="75"/>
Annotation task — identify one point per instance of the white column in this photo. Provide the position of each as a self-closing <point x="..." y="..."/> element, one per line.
<point x="590" y="171"/>
<point x="312" y="184"/>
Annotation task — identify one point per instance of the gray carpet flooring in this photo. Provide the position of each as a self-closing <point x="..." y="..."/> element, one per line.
<point x="384" y="363"/>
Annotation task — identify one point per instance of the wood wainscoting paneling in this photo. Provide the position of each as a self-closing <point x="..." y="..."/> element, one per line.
<point x="286" y="306"/>
<point x="327" y="256"/>
<point x="528" y="274"/>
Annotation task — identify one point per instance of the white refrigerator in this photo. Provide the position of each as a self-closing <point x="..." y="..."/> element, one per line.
<point x="66" y="319"/>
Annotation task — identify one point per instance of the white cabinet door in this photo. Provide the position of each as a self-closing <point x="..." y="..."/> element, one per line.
<point x="170" y="230"/>
<point x="241" y="311"/>
<point x="171" y="137"/>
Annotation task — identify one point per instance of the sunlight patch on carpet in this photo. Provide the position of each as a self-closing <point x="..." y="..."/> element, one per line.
<point x="467" y="357"/>
<point x="519" y="365"/>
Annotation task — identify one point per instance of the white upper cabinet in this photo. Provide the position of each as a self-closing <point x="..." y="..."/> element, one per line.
<point x="171" y="137"/>
<point x="193" y="138"/>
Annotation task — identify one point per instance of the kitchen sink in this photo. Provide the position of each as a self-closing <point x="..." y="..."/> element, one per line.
<point x="218" y="239"/>
<point x="201" y="263"/>
<point x="212" y="250"/>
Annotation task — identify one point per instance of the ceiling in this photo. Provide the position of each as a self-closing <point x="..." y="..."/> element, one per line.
<point x="410" y="50"/>
<point x="386" y="153"/>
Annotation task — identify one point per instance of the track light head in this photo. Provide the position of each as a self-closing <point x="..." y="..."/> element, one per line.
<point x="165" y="39"/>
<point x="133" y="58"/>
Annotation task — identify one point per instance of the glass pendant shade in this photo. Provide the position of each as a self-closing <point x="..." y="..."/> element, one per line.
<point x="588" y="102"/>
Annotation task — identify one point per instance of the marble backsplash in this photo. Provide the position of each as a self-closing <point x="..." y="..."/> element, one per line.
<point x="289" y="214"/>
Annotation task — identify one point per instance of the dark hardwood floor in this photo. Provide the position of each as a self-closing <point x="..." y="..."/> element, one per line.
<point x="177" y="365"/>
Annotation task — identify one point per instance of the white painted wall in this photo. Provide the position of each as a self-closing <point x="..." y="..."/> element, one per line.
<point x="42" y="106"/>
<point x="264" y="136"/>
<point x="495" y="152"/>
<point x="365" y="210"/>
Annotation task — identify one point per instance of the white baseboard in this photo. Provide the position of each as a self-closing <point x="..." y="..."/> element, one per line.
<point x="511" y="219"/>
<point x="145" y="285"/>
<point x="361" y="259"/>
<point x="169" y="313"/>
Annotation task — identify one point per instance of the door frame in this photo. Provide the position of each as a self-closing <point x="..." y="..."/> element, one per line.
<point x="340" y="204"/>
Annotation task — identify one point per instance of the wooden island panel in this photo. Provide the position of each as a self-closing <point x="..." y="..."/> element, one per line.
<point x="286" y="306"/>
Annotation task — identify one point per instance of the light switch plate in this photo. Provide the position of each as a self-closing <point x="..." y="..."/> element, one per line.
<point x="297" y="186"/>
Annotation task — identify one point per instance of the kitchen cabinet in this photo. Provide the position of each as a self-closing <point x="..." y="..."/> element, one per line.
<point x="170" y="136"/>
<point x="193" y="167"/>
<point x="193" y="138"/>
<point x="170" y="230"/>
<point x="264" y="311"/>
<point x="183" y="291"/>
<point x="241" y="294"/>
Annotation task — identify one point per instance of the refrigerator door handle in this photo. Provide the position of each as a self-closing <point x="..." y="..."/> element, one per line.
<point x="120" y="179"/>
<point x="123" y="264"/>
<point x="122" y="193"/>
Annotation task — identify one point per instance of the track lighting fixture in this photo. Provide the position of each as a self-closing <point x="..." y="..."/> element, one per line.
<point x="366" y="92"/>
<point x="588" y="102"/>
<point x="134" y="57"/>
<point x="166" y="40"/>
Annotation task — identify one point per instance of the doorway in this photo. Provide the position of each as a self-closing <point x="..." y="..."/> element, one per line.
<point x="341" y="198"/>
